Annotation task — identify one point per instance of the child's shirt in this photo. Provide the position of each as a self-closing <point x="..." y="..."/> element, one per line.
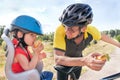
<point x="16" y="67"/>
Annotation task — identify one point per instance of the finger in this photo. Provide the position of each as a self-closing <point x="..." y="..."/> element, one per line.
<point x="96" y="67"/>
<point x="95" y="54"/>
<point x="42" y="47"/>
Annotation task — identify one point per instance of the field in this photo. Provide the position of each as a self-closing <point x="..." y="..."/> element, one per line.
<point x="49" y="61"/>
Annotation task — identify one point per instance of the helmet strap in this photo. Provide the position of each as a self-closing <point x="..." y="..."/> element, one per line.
<point x="77" y="36"/>
<point x="15" y="33"/>
<point x="22" y="42"/>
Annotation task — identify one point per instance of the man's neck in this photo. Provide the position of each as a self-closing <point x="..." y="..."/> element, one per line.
<point x="79" y="39"/>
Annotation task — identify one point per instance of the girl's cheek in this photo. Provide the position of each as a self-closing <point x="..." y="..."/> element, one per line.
<point x="31" y="43"/>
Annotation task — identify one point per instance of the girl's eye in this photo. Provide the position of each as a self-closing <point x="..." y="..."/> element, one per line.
<point x="33" y="35"/>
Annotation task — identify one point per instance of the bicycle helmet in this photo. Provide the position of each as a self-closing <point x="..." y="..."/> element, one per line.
<point x="26" y="24"/>
<point x="77" y="15"/>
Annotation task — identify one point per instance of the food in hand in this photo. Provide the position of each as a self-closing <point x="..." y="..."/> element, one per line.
<point x="103" y="57"/>
<point x="37" y="43"/>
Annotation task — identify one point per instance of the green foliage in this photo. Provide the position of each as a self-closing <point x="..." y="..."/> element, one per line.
<point x="47" y="37"/>
<point x="1" y="31"/>
<point x="112" y="33"/>
<point x="3" y="44"/>
<point x="118" y="38"/>
<point x="1" y="41"/>
<point x="117" y="32"/>
<point x="105" y="32"/>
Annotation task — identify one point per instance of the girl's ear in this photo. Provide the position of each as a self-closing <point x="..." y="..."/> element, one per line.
<point x="20" y="34"/>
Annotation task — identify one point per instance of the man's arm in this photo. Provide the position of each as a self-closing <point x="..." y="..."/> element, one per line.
<point x="60" y="59"/>
<point x="110" y="40"/>
<point x="88" y="61"/>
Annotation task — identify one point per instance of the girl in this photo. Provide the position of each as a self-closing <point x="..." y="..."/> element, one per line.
<point x="25" y="29"/>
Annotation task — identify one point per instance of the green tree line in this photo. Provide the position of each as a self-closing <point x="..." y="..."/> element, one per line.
<point x="113" y="33"/>
<point x="49" y="36"/>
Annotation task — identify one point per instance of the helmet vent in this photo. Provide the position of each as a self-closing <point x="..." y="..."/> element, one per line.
<point x="71" y="7"/>
<point x="75" y="18"/>
<point x="77" y="11"/>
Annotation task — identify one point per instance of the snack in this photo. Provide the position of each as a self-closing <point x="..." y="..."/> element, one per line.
<point x="37" y="43"/>
<point x="103" y="57"/>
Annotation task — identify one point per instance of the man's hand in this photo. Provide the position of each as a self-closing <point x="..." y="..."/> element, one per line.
<point x="93" y="63"/>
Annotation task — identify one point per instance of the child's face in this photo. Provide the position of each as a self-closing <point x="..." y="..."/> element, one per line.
<point x="30" y="38"/>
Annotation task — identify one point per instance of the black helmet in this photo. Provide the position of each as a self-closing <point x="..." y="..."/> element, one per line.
<point x="77" y="15"/>
<point x="26" y="24"/>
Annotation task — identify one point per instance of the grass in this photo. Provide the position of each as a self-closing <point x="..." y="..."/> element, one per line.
<point x="2" y="65"/>
<point x="100" y="47"/>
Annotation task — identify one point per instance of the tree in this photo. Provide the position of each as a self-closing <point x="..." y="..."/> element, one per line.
<point x="105" y="32"/>
<point x="1" y="31"/>
<point x="47" y="37"/>
<point x="118" y="37"/>
<point x="117" y="32"/>
<point x="112" y="33"/>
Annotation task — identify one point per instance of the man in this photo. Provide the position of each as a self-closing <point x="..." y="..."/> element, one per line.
<point x="73" y="36"/>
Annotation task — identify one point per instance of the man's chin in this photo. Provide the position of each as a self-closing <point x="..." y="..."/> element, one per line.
<point x="69" y="37"/>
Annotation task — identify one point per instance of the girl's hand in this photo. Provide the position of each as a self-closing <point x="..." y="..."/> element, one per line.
<point x="42" y="55"/>
<point x="38" y="48"/>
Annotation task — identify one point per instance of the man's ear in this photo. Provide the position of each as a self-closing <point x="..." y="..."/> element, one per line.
<point x="83" y="29"/>
<point x="20" y="34"/>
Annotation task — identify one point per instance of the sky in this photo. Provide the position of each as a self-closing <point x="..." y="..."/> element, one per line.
<point x="106" y="12"/>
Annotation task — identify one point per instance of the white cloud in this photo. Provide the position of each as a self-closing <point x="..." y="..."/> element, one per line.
<point x="82" y="1"/>
<point x="106" y="12"/>
<point x="31" y="9"/>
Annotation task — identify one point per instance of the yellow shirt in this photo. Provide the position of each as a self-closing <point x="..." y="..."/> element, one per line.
<point x="59" y="36"/>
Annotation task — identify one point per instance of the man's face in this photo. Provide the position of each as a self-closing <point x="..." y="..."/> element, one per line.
<point x="72" y="32"/>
